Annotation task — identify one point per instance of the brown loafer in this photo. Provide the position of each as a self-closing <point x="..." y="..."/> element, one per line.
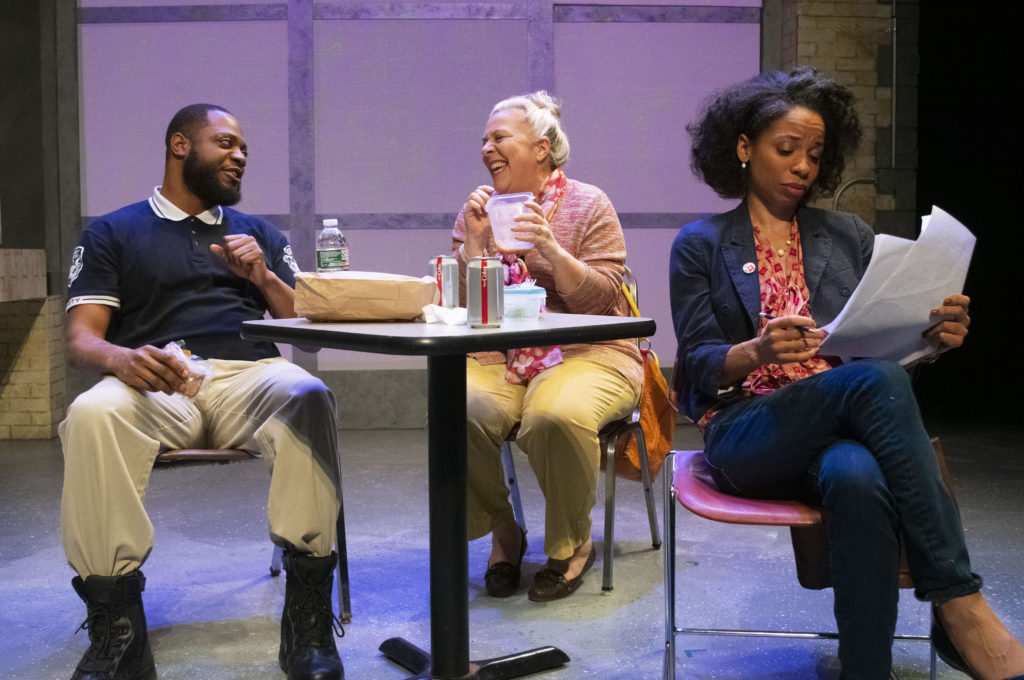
<point x="502" y="578"/>
<point x="550" y="584"/>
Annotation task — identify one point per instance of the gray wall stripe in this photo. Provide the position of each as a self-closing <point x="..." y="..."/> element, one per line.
<point x="656" y="14"/>
<point x="417" y="10"/>
<point x="301" y="147"/>
<point x="164" y="13"/>
<point x="392" y="221"/>
<point x="301" y="133"/>
<point x="540" y="46"/>
<point x="535" y="11"/>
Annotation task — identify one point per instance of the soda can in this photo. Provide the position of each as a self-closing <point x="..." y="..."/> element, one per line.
<point x="445" y="269"/>
<point x="485" y="292"/>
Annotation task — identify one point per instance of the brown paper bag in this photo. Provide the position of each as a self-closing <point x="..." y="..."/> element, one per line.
<point x="362" y="296"/>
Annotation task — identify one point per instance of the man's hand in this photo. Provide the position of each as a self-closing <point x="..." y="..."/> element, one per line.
<point x="145" y="368"/>
<point x="244" y="257"/>
<point x="150" y="369"/>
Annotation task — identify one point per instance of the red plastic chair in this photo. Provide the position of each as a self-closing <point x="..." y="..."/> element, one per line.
<point x="687" y="479"/>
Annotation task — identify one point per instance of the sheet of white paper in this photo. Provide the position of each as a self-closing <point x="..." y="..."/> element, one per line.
<point x="904" y="281"/>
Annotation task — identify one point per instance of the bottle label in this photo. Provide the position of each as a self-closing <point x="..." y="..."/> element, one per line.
<point x="334" y="259"/>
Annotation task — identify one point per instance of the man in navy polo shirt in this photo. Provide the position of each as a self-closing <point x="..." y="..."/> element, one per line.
<point x="183" y="266"/>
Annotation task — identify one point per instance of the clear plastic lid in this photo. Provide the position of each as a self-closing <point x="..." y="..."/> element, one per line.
<point x="524" y="290"/>
<point x="505" y="199"/>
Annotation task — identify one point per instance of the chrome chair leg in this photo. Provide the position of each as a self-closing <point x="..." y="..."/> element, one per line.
<point x="669" y="562"/>
<point x="609" y="512"/>
<point x="932" y="655"/>
<point x="513" y="485"/>
<point x="613" y="438"/>
<point x="620" y="434"/>
<point x="645" y="474"/>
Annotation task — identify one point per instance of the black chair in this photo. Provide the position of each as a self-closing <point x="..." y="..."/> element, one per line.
<point x="174" y="457"/>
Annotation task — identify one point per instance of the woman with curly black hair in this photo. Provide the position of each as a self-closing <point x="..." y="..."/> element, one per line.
<point x="749" y="289"/>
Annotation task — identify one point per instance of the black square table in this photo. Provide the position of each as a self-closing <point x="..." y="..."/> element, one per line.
<point x="445" y="348"/>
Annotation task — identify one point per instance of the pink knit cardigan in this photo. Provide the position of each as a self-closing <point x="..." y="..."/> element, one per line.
<point x="585" y="224"/>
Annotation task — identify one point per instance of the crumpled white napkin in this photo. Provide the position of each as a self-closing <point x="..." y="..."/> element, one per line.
<point x="455" y="316"/>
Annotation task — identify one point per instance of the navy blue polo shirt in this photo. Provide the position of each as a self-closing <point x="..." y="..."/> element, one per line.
<point x="152" y="264"/>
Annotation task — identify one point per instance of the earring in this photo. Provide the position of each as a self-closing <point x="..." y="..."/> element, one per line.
<point x="743" y="165"/>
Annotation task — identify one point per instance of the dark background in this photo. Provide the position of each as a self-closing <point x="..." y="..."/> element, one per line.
<point x="970" y="164"/>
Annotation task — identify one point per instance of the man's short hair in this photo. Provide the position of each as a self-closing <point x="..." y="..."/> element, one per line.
<point x="190" y="119"/>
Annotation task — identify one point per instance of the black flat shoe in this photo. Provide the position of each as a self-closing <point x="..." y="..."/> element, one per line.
<point x="502" y="578"/>
<point x="948" y="652"/>
<point x="550" y="584"/>
<point x="945" y="648"/>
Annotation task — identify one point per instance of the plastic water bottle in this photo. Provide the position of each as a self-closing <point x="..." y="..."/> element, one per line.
<point x="331" y="248"/>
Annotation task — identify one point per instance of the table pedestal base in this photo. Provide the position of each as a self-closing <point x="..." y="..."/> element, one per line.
<point x="416" y="661"/>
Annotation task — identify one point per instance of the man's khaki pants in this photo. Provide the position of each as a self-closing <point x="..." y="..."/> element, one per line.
<point x="113" y="433"/>
<point x="560" y="412"/>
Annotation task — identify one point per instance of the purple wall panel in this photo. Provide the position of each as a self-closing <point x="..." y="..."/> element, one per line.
<point x="143" y="3"/>
<point x="399" y="95"/>
<point x="629" y="89"/>
<point x="647" y="255"/>
<point x="133" y="77"/>
<point x="677" y="3"/>
<point x="401" y="108"/>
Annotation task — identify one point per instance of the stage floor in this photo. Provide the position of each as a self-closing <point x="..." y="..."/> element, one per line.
<point x="214" y="610"/>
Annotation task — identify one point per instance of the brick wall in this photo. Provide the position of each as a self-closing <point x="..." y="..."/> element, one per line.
<point x="31" y="368"/>
<point x="22" y="274"/>
<point x="852" y="41"/>
<point x="31" y="348"/>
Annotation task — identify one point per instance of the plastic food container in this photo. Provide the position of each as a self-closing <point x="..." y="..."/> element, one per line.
<point x="503" y="209"/>
<point x="523" y="303"/>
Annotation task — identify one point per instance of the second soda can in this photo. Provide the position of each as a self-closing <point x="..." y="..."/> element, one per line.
<point x="445" y="269"/>
<point x="485" y="292"/>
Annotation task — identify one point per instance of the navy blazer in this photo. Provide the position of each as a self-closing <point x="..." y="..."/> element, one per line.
<point x="715" y="304"/>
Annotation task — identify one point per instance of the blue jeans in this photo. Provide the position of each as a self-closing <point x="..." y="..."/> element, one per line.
<point x="852" y="439"/>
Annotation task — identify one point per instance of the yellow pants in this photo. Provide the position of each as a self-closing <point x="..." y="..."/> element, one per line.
<point x="560" y="413"/>
<point x="113" y="433"/>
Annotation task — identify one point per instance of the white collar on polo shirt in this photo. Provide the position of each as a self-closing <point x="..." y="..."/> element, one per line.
<point x="164" y="208"/>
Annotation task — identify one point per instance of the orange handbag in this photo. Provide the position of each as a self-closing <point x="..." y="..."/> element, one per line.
<point x="657" y="417"/>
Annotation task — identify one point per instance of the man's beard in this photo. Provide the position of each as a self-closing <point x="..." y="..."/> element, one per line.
<point x="203" y="181"/>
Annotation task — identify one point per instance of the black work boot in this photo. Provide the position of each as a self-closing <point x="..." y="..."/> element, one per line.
<point x="119" y="643"/>
<point x="308" y="625"/>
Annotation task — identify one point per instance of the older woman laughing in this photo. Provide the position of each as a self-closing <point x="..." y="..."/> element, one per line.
<point x="560" y="396"/>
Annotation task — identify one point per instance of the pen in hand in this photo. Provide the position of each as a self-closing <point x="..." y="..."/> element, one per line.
<point x="802" y="329"/>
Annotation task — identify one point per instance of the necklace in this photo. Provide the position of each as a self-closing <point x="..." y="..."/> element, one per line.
<point x="782" y="252"/>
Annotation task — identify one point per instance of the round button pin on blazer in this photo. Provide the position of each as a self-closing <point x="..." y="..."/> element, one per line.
<point x="749" y="268"/>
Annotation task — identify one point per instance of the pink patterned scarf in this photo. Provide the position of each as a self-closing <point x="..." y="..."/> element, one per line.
<point x="524" y="363"/>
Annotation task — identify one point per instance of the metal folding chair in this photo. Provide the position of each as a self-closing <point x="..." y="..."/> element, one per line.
<point x="612" y="436"/>
<point x="687" y="479"/>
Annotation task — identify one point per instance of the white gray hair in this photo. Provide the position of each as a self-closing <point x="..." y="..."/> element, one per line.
<point x="542" y="112"/>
